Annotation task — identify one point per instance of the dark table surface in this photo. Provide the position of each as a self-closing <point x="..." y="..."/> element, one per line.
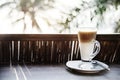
<point x="54" y="72"/>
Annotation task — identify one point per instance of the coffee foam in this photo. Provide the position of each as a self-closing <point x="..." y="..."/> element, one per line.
<point x="86" y="29"/>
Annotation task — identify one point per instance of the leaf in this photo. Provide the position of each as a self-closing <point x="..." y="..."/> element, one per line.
<point x="77" y="9"/>
<point x="18" y="20"/>
<point x="6" y="4"/>
<point x="91" y="18"/>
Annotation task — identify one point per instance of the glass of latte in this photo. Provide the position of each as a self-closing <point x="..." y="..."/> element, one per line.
<point x="89" y="46"/>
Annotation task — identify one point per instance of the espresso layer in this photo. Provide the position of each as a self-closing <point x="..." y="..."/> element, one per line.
<point x="86" y="36"/>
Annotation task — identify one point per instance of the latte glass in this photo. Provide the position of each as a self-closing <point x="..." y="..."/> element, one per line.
<point x="89" y="46"/>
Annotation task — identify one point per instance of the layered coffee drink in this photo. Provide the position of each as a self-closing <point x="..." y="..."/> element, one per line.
<point x="86" y="39"/>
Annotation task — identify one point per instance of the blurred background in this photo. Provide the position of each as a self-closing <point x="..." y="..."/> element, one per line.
<point x="58" y="16"/>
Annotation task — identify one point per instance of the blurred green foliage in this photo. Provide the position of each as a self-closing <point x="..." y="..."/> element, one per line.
<point x="31" y="7"/>
<point x="100" y="8"/>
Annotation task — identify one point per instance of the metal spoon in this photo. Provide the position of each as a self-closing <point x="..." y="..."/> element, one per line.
<point x="101" y="64"/>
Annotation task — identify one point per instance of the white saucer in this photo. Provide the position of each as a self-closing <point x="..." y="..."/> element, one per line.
<point x="97" y="66"/>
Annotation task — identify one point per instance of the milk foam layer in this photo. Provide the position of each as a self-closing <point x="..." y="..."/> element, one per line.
<point x="88" y="29"/>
